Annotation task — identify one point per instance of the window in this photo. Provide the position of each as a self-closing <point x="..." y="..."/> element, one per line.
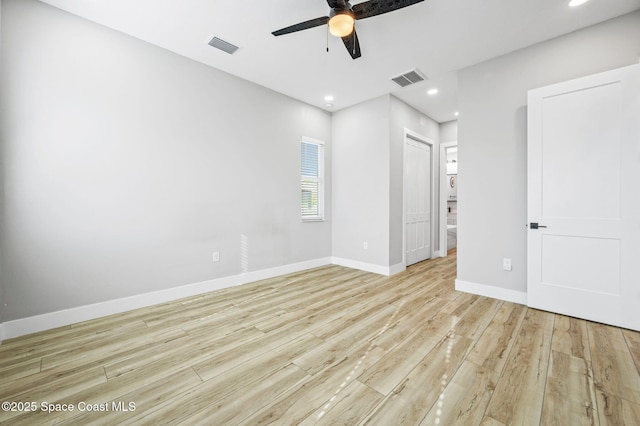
<point x="312" y="179"/>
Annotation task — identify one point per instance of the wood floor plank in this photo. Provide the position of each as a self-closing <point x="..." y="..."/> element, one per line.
<point x="333" y="287"/>
<point x="243" y="376"/>
<point x="380" y="297"/>
<point x="46" y="346"/>
<point x="519" y="392"/>
<point x="633" y="342"/>
<point x="614" y="371"/>
<point x="461" y="304"/>
<point x="240" y="405"/>
<point x="145" y="398"/>
<point x="393" y="410"/>
<point x="312" y="306"/>
<point x="271" y="356"/>
<point x="474" y="321"/>
<point x="214" y="364"/>
<point x="197" y="310"/>
<point x="236" y="379"/>
<point x="20" y="369"/>
<point x="53" y="390"/>
<point x="465" y="398"/>
<point x="317" y="311"/>
<point x="613" y="410"/>
<point x="493" y="347"/>
<point x="296" y="406"/>
<point x="569" y="396"/>
<point x="405" y="325"/>
<point x="384" y="375"/>
<point x="208" y="397"/>
<point x="417" y="393"/>
<point x="107" y="398"/>
<point x="232" y="320"/>
<point x="346" y="407"/>
<point x="630" y="335"/>
<point x="570" y="337"/>
<point x="634" y="349"/>
<point x="334" y="349"/>
<point x="351" y="321"/>
<point x="488" y="421"/>
<point x="107" y="350"/>
<point x="200" y="349"/>
<point x="45" y="383"/>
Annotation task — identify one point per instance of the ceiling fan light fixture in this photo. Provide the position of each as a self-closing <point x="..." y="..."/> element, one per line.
<point x="341" y="23"/>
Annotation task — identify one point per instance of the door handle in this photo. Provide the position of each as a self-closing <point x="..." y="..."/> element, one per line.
<point x="535" y="225"/>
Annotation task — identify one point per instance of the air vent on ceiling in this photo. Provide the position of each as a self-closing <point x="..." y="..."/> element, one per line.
<point x="411" y="77"/>
<point x="223" y="45"/>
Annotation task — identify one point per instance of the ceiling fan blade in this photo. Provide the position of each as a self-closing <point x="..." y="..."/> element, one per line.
<point x="378" y="7"/>
<point x="352" y="44"/>
<point x="302" y="26"/>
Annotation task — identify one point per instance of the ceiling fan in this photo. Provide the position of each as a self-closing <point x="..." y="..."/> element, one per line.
<point x="342" y="17"/>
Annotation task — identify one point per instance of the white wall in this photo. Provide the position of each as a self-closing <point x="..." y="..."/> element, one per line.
<point x="126" y="166"/>
<point x="360" y="161"/>
<point x="449" y="131"/>
<point x="492" y="142"/>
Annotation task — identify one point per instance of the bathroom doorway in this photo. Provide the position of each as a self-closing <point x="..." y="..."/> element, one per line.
<point x="448" y="197"/>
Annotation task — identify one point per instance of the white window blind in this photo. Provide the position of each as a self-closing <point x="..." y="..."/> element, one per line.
<point x="312" y="180"/>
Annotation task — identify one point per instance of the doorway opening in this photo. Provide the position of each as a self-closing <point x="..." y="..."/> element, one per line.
<point x="448" y="197"/>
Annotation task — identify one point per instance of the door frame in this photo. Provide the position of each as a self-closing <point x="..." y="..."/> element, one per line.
<point x="442" y="246"/>
<point x="411" y="135"/>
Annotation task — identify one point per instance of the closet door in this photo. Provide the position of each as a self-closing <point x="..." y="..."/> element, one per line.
<point x="417" y="192"/>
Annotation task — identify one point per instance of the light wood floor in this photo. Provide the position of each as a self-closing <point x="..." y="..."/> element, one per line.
<point x="330" y="346"/>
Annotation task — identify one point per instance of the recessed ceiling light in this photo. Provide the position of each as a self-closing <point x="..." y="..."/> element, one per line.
<point x="328" y="98"/>
<point x="432" y="92"/>
<point x="574" y="3"/>
<point x="455" y="113"/>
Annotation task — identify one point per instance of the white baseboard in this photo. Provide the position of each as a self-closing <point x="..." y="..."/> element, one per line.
<point x="368" y="267"/>
<point x="397" y="268"/>
<point x="23" y="326"/>
<point x="514" y="296"/>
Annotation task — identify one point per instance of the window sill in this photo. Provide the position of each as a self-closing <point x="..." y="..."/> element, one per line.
<point x="314" y="219"/>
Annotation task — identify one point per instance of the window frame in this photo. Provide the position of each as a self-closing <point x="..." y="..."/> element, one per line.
<point x="319" y="179"/>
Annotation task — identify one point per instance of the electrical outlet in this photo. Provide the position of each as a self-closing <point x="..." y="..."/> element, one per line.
<point x="365" y="245"/>
<point x="216" y="256"/>
<point x="506" y="264"/>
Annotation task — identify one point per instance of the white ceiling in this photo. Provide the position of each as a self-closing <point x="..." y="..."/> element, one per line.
<point x="438" y="37"/>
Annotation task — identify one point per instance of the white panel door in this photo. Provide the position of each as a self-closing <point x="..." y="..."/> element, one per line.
<point x="417" y="184"/>
<point x="584" y="198"/>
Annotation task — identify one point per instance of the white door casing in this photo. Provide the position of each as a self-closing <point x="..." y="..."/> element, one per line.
<point x="584" y="194"/>
<point x="417" y="200"/>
